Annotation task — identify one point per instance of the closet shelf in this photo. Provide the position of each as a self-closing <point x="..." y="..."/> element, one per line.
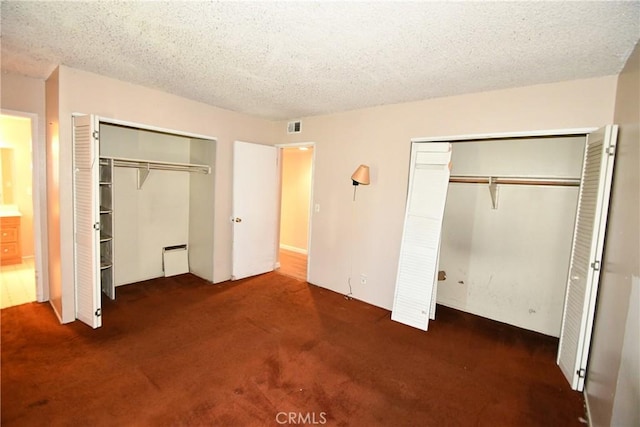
<point x="152" y="164"/>
<point x="494" y="181"/>
<point x="144" y="166"/>
<point x="516" y="180"/>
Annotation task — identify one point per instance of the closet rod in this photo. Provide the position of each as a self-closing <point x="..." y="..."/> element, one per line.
<point x="168" y="166"/>
<point x="512" y="180"/>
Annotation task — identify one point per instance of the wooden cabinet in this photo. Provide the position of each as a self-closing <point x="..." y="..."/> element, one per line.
<point x="10" y="250"/>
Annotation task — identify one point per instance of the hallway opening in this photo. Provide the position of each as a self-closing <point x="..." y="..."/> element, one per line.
<point x="17" y="263"/>
<point x="295" y="210"/>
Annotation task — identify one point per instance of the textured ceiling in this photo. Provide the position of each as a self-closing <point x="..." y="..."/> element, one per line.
<point x="284" y="60"/>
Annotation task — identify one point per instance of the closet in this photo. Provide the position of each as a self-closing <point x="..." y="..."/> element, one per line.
<point x="522" y="234"/>
<point x="507" y="230"/>
<point x="139" y="193"/>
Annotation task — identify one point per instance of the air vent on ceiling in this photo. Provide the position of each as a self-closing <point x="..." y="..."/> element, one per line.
<point x="293" y="127"/>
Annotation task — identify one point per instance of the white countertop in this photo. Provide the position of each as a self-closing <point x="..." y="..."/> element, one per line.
<point x="9" y="210"/>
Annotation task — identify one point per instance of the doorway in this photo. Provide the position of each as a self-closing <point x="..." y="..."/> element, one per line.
<point x="17" y="265"/>
<point x="295" y="209"/>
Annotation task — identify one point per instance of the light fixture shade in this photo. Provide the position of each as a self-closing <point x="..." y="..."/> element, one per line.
<point x="361" y="175"/>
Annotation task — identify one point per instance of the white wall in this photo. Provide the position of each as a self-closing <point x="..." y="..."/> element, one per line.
<point x="54" y="226"/>
<point x="377" y="136"/>
<point x="147" y="220"/>
<point x="83" y="92"/>
<point x="201" y="206"/>
<point x="153" y="217"/>
<point x="380" y="137"/>
<point x="124" y="142"/>
<point x="612" y="386"/>
<point x="296" y="198"/>
<point x="510" y="264"/>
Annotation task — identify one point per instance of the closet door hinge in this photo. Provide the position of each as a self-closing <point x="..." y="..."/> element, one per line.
<point x="96" y="226"/>
<point x="611" y="150"/>
<point x="95" y="134"/>
<point x="595" y="265"/>
<point x="581" y="372"/>
<point x="98" y="312"/>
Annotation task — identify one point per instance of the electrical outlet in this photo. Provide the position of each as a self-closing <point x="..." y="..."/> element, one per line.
<point x="363" y="279"/>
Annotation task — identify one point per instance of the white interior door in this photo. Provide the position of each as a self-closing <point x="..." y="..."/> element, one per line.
<point x="418" y="264"/>
<point x="586" y="255"/>
<point x="86" y="220"/>
<point x="255" y="209"/>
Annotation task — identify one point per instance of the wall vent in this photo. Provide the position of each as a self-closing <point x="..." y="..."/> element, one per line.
<point x="293" y="127"/>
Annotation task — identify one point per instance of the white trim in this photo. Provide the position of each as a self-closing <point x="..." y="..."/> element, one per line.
<point x="141" y="126"/>
<point x="587" y="406"/>
<point x="55" y="310"/>
<point x="507" y="135"/>
<point x="293" y="249"/>
<point x="39" y="201"/>
<point x="296" y="144"/>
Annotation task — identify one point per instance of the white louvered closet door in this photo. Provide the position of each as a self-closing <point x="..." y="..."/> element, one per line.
<point x="586" y="255"/>
<point x="418" y="264"/>
<point x="86" y="218"/>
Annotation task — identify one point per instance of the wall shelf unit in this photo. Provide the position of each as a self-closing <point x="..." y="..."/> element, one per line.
<point x="145" y="166"/>
<point x="106" y="226"/>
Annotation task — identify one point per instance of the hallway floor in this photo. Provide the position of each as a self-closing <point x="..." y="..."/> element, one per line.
<point x="293" y="264"/>
<point x="17" y="283"/>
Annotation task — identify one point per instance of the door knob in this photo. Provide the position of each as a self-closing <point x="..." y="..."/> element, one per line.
<point x="238" y="220"/>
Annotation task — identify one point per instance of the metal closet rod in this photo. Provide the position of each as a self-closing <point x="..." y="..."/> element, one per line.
<point x="156" y="165"/>
<point x="515" y="180"/>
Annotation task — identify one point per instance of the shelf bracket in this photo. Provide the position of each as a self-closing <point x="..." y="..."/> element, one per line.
<point x="493" y="191"/>
<point x="143" y="173"/>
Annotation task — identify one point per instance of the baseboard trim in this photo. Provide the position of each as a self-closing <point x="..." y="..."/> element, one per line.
<point x="479" y="312"/>
<point x="586" y="406"/>
<point x="55" y="311"/>
<point x="293" y="249"/>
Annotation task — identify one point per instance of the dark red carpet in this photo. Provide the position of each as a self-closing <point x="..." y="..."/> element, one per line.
<point x="272" y="350"/>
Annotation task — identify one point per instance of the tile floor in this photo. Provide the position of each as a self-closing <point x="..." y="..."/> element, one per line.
<point x="17" y="283"/>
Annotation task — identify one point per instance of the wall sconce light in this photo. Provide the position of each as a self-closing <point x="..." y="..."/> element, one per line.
<point x="360" y="176"/>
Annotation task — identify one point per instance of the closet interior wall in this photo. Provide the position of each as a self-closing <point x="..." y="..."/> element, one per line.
<point x="201" y="204"/>
<point x="165" y="210"/>
<point x="511" y="263"/>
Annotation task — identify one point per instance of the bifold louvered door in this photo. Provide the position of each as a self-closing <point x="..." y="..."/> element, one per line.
<point x="418" y="263"/>
<point x="586" y="255"/>
<point x="86" y="220"/>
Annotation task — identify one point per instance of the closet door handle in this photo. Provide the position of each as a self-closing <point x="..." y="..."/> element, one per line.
<point x="238" y="220"/>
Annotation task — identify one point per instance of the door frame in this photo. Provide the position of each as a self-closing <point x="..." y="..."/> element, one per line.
<point x="39" y="202"/>
<point x="509" y="135"/>
<point x="280" y="147"/>
<point x="583" y="132"/>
